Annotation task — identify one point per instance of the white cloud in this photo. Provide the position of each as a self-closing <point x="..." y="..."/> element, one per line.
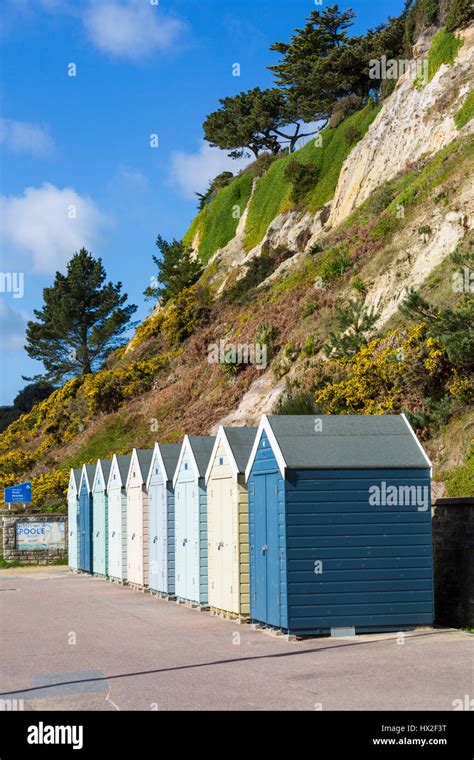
<point x="49" y="224"/>
<point x="12" y="326"/>
<point x="130" y="30"/>
<point x="25" y="137"/>
<point x="192" y="172"/>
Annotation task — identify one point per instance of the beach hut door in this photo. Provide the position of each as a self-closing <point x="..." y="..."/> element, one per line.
<point x="266" y="549"/>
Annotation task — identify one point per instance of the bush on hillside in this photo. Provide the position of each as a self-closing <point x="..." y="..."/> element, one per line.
<point x="344" y="108"/>
<point x="459" y="15"/>
<point x="303" y="178"/>
<point x="295" y="401"/>
<point x="187" y="313"/>
<point x="333" y="263"/>
<point x="222" y="180"/>
<point x="406" y="370"/>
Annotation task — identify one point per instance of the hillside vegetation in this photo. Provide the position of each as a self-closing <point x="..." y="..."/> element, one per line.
<point x="289" y="298"/>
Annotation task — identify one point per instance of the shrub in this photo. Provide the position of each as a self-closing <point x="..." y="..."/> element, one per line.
<point x="352" y="135"/>
<point x="149" y="328"/>
<point x="189" y="311"/>
<point x="381" y="199"/>
<point x="261" y="165"/>
<point x="459" y="15"/>
<point x="344" y="108"/>
<point x="309" y="309"/>
<point x="303" y="178"/>
<point x="431" y="10"/>
<point x="400" y="370"/>
<point x="295" y="402"/>
<point x="424" y="229"/>
<point x="106" y="391"/>
<point x="311" y="346"/>
<point x="259" y="268"/>
<point x="222" y="180"/>
<point x="333" y="263"/>
<point x="359" y="285"/>
<point x="460" y="480"/>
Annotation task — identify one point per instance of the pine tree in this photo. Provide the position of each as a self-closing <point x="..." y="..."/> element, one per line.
<point x="178" y="269"/>
<point x="452" y="325"/>
<point x="355" y="323"/>
<point x="81" y="322"/>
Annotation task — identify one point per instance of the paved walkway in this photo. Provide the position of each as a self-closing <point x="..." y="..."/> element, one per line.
<point x="76" y="642"/>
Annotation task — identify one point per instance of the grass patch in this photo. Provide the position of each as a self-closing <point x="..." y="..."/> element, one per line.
<point x="294" y="279"/>
<point x="444" y="49"/>
<point x="418" y="185"/>
<point x="217" y="223"/>
<point x="274" y="190"/>
<point x="460" y="480"/>
<point x="4" y="565"/>
<point x="117" y="434"/>
<point x="466" y="112"/>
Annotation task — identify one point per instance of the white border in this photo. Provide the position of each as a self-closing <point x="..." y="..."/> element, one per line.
<point x="265" y="426"/>
<point x="72" y="482"/>
<point x="418" y="443"/>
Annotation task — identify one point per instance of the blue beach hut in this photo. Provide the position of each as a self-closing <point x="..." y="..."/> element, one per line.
<point x="339" y="525"/>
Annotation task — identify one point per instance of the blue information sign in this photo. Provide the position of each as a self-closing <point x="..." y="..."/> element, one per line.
<point x="20" y="494"/>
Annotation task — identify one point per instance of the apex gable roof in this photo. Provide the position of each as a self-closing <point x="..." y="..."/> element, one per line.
<point x="341" y="442"/>
<point x="167" y="455"/>
<point x="201" y="447"/>
<point x="238" y="442"/>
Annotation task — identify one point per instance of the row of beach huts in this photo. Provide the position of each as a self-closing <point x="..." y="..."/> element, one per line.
<point x="307" y="525"/>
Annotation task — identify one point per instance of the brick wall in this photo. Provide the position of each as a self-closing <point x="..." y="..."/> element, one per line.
<point x="30" y="556"/>
<point x="453" y="556"/>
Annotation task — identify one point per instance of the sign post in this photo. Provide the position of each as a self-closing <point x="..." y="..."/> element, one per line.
<point x="20" y="494"/>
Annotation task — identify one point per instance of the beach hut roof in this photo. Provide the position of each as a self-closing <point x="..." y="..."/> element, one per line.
<point x="238" y="442"/>
<point x="104" y="466"/>
<point x="75" y="477"/>
<point x="201" y="447"/>
<point x="88" y="472"/>
<point x="121" y="463"/>
<point x="143" y="458"/>
<point x="341" y="442"/>
<point x="167" y="455"/>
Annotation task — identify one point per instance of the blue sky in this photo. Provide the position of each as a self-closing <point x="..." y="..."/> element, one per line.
<point x="83" y="142"/>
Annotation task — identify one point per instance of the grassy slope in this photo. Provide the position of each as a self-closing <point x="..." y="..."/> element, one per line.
<point x="466" y="112"/>
<point x="216" y="224"/>
<point x="443" y="50"/>
<point x="273" y="191"/>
